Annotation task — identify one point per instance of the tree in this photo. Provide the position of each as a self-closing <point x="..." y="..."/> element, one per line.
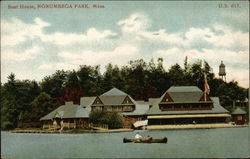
<point x="40" y="106"/>
<point x="176" y="75"/>
<point x="22" y="98"/>
<point x="16" y="97"/>
<point x="54" y="84"/>
<point x="112" y="77"/>
<point x="112" y="119"/>
<point x="90" y="80"/>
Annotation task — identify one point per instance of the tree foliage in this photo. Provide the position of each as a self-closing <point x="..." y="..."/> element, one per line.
<point x="140" y="79"/>
<point x="112" y="119"/>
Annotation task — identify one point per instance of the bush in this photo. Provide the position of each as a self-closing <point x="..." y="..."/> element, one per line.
<point x="7" y="125"/>
<point x="112" y="119"/>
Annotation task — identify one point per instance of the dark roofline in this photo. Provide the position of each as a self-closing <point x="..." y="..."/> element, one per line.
<point x="185" y="102"/>
<point x="99" y="105"/>
<point x="173" y="89"/>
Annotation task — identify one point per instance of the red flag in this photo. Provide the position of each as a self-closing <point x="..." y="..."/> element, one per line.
<point x="206" y="86"/>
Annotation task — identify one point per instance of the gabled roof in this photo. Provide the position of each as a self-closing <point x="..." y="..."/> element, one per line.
<point x="152" y="101"/>
<point x="140" y="109"/>
<point x="238" y="110"/>
<point x="184" y="89"/>
<point x="112" y="100"/>
<point x="114" y="97"/>
<point x="217" y="109"/>
<point x="68" y="111"/>
<point x="114" y="92"/>
<point x="183" y="94"/>
<point x="87" y="101"/>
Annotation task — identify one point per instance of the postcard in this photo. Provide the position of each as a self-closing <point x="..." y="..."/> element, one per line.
<point x="124" y="79"/>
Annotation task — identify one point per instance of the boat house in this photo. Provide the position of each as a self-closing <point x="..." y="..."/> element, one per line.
<point x="186" y="105"/>
<point x="67" y="116"/>
<point x="118" y="101"/>
<point x="239" y="116"/>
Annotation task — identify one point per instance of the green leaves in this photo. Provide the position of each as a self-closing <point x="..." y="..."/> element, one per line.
<point x="112" y="119"/>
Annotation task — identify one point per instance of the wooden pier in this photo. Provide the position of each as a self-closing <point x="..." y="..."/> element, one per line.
<point x="34" y="131"/>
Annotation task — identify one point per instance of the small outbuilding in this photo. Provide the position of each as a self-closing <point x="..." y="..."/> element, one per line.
<point x="239" y="116"/>
<point x="67" y="116"/>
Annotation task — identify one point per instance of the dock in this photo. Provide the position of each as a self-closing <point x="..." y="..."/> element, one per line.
<point x="34" y="131"/>
<point x="114" y="130"/>
<point x="192" y="126"/>
<point x="97" y="130"/>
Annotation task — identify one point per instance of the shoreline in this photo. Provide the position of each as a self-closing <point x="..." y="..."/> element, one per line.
<point x="72" y="131"/>
<point x="150" y="127"/>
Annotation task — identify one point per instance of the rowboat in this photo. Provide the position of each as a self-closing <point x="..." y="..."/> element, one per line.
<point x="163" y="140"/>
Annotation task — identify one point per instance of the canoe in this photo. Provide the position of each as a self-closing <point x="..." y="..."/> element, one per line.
<point x="163" y="140"/>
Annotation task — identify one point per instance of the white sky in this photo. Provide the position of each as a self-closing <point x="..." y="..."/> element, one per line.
<point x="35" y="43"/>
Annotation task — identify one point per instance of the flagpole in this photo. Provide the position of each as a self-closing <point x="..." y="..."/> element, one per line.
<point x="204" y="81"/>
<point x="205" y="95"/>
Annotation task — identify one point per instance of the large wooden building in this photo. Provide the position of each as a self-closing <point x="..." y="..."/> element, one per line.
<point x="186" y="105"/>
<point x="178" y="105"/>
<point x="118" y="101"/>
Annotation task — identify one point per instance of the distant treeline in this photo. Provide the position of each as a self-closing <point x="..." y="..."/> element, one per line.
<point x="24" y="102"/>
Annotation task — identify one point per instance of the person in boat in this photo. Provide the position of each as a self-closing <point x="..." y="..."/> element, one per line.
<point x="148" y="138"/>
<point x="138" y="136"/>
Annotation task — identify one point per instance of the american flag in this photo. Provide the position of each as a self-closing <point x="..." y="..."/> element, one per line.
<point x="206" y="86"/>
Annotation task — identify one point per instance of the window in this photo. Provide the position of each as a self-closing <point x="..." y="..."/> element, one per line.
<point x="127" y="108"/>
<point x="97" y="108"/>
<point x="239" y="117"/>
<point x="177" y="106"/>
<point x="109" y="108"/>
<point x="119" y="108"/>
<point x="166" y="106"/>
<point x="114" y="108"/>
<point x="204" y="105"/>
<point x="195" y="105"/>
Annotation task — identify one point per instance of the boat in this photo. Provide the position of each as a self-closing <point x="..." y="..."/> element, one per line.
<point x="162" y="140"/>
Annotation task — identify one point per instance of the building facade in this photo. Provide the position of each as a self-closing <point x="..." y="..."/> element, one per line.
<point x="239" y="116"/>
<point x="118" y="101"/>
<point x="66" y="116"/>
<point x="186" y="105"/>
<point x="178" y="105"/>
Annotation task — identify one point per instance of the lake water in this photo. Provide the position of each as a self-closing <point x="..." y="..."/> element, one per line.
<point x="220" y="142"/>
